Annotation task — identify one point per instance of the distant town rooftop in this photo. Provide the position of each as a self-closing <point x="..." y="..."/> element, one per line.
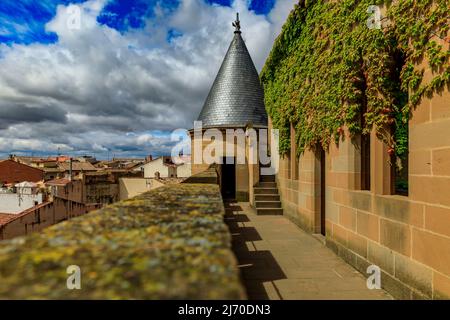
<point x="77" y="166"/>
<point x="5" y="217"/>
<point x="58" y="182"/>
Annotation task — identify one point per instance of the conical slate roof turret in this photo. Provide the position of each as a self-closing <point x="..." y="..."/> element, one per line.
<point x="236" y="97"/>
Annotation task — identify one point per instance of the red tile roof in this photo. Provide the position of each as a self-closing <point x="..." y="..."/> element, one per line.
<point x="77" y="166"/>
<point x="14" y="172"/>
<point x="43" y="160"/>
<point x="5" y="217"/>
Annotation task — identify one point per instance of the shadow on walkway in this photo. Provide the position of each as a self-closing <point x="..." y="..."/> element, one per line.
<point x="258" y="267"/>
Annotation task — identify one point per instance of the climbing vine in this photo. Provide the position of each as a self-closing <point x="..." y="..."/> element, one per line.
<point x="327" y="66"/>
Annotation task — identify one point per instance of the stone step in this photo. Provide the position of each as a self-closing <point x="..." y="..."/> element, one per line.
<point x="259" y="190"/>
<point x="268" y="204"/>
<point x="267" y="197"/>
<point x="267" y="184"/>
<point x="267" y="178"/>
<point x="269" y="211"/>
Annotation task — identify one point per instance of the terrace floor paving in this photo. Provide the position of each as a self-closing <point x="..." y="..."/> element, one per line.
<point x="279" y="261"/>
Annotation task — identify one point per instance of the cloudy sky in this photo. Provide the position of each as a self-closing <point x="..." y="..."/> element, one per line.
<point x="115" y="77"/>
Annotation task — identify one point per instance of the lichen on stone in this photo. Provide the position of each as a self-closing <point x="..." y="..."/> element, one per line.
<point x="169" y="243"/>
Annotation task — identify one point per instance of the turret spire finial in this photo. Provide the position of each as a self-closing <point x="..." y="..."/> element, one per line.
<point x="237" y="24"/>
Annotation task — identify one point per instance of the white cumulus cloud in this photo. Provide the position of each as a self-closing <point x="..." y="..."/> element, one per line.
<point x="88" y="91"/>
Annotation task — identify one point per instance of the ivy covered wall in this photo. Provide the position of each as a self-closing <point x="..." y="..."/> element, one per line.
<point x="328" y="69"/>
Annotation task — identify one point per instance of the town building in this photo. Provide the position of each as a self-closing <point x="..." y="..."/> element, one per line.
<point x="24" y="159"/>
<point x="19" y="198"/>
<point x="129" y="160"/>
<point x="53" y="167"/>
<point x="53" y="173"/>
<point x="62" y="201"/>
<point x="164" y="167"/>
<point x="184" y="167"/>
<point x="130" y="187"/>
<point x="120" y="163"/>
<point x="66" y="189"/>
<point x="75" y="167"/>
<point x="90" y="159"/>
<point x="48" y="191"/>
<point x="153" y="174"/>
<point x="12" y="172"/>
<point x="104" y="186"/>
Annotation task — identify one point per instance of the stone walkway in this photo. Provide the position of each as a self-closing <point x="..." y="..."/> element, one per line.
<point x="280" y="261"/>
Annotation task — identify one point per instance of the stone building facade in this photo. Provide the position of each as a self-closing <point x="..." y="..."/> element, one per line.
<point x="64" y="203"/>
<point x="346" y="195"/>
<point x="407" y="236"/>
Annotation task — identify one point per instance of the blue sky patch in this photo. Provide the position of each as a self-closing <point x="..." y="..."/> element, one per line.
<point x="23" y="21"/>
<point x="131" y="14"/>
<point x="262" y="6"/>
<point x="225" y="3"/>
<point x="258" y="6"/>
<point x="172" y="34"/>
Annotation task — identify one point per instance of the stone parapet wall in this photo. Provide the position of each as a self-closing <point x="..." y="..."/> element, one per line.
<point x="169" y="243"/>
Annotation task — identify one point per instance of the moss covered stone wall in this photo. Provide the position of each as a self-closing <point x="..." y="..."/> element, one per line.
<point x="170" y="243"/>
<point x="330" y="69"/>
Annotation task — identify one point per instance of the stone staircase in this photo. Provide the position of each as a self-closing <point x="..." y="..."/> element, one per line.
<point x="267" y="199"/>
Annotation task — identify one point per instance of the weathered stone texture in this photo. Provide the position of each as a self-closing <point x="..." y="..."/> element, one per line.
<point x="170" y="243"/>
<point x="408" y="237"/>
